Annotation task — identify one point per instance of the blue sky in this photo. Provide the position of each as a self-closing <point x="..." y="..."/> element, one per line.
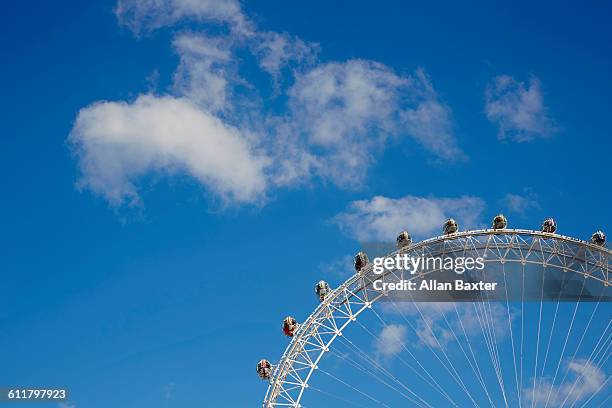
<point x="177" y="178"/>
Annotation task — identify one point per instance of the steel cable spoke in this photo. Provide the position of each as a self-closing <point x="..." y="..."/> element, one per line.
<point x="564" y="345"/>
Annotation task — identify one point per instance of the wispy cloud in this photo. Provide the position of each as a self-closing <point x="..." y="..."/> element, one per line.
<point x="521" y="203"/>
<point x="348" y="111"/>
<point x="585" y="379"/>
<point x="205" y="71"/>
<point x="439" y="323"/>
<point x="518" y="109"/>
<point x="391" y="340"/>
<point x="382" y="218"/>
<point x="216" y="127"/>
<point x="142" y="16"/>
<point x="278" y="50"/>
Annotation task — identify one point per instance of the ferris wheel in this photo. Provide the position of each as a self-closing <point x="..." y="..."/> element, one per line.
<point x="542" y="340"/>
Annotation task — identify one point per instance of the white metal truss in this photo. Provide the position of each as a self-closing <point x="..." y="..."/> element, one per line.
<point x="343" y="305"/>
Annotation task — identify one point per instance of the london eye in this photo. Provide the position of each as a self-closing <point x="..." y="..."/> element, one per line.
<point x="526" y="346"/>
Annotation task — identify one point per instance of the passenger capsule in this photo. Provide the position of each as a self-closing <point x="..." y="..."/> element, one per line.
<point x="549" y="225"/>
<point x="361" y="260"/>
<point x="403" y="239"/>
<point x="322" y="290"/>
<point x="289" y="326"/>
<point x="450" y="226"/>
<point x="598" y="238"/>
<point x="264" y="369"/>
<point x="500" y="222"/>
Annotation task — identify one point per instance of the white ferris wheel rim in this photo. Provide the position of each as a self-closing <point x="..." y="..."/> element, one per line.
<point x="314" y="337"/>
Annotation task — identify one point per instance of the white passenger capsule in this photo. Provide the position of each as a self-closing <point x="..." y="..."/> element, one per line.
<point x="500" y="222"/>
<point x="549" y="225"/>
<point x="403" y="239"/>
<point x="290" y="325"/>
<point x="264" y="369"/>
<point x="322" y="290"/>
<point x="450" y="226"/>
<point x="361" y="260"/>
<point x="598" y="238"/>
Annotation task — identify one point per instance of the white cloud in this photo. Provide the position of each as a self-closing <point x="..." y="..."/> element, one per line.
<point x="347" y="112"/>
<point x="436" y="321"/>
<point x="118" y="143"/>
<point x="432" y="334"/>
<point x="294" y="163"/>
<point x="273" y="50"/>
<point x="517" y="109"/>
<point x="147" y="15"/>
<point x="382" y="218"/>
<point x="338" y="117"/>
<point x="429" y="120"/>
<point x="204" y="72"/>
<point x="277" y="50"/>
<point x="391" y="340"/>
<point x="585" y="379"/>
<point x="520" y="204"/>
<point x="337" y="100"/>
